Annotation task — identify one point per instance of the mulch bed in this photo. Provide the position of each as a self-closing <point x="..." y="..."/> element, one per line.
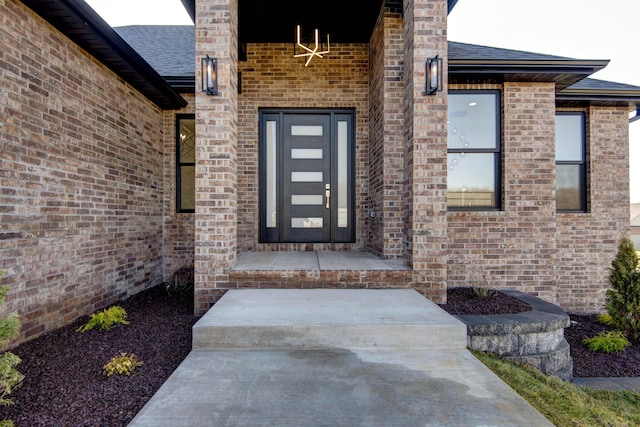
<point x="64" y="385"/>
<point x="466" y="301"/>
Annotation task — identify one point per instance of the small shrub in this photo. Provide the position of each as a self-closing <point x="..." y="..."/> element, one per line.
<point x="124" y="364"/>
<point x="105" y="319"/>
<point x="607" y="342"/>
<point x="10" y="377"/>
<point x="181" y="282"/>
<point x="481" y="287"/>
<point x="605" y="319"/>
<point x="623" y="299"/>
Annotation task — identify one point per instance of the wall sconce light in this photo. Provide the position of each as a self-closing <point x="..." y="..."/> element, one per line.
<point x="434" y="75"/>
<point x="209" y="75"/>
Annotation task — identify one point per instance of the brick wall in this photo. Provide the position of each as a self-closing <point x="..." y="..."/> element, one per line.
<point x="272" y="77"/>
<point x="587" y="243"/>
<point x="386" y="143"/>
<point x="179" y="242"/>
<point x="216" y="222"/>
<point x="425" y="138"/>
<point x="81" y="178"/>
<point x="514" y="247"/>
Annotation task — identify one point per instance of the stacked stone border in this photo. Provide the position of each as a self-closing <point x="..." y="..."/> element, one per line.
<point x="533" y="337"/>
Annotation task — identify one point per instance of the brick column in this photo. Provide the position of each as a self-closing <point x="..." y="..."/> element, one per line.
<point x="216" y="151"/>
<point x="425" y="35"/>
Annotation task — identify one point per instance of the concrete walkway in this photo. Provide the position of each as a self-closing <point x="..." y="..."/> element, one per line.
<point x="322" y="357"/>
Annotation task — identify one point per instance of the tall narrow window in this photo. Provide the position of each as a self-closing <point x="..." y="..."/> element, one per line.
<point x="185" y="163"/>
<point x="473" y="148"/>
<point x="570" y="162"/>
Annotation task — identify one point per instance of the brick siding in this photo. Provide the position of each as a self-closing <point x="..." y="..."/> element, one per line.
<point x="81" y="178"/>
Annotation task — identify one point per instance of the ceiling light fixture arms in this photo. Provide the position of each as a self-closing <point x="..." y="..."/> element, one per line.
<point x="317" y="50"/>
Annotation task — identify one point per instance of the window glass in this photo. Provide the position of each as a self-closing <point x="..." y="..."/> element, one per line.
<point x="185" y="163"/>
<point x="568" y="187"/>
<point x="473" y="142"/>
<point x="472" y="121"/>
<point x="570" y="162"/>
<point x="569" y="137"/>
<point x="471" y="180"/>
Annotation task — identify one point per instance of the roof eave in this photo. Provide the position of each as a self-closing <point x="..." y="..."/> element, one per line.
<point x="563" y="72"/>
<point x="80" y="23"/>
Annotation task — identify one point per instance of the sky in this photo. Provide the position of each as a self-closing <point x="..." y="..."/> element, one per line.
<point x="583" y="29"/>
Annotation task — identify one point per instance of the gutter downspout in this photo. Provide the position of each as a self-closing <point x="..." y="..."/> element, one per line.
<point x="636" y="117"/>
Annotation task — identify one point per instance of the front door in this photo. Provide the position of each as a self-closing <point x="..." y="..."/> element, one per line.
<point x="306" y="176"/>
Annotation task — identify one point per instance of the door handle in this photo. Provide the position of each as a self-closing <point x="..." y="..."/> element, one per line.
<point x="327" y="194"/>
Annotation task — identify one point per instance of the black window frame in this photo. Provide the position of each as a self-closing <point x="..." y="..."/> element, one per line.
<point x="582" y="163"/>
<point x="497" y="151"/>
<point x="179" y="164"/>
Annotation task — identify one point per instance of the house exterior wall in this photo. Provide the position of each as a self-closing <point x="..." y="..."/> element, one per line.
<point x="425" y="145"/>
<point x="588" y="242"/>
<point x="386" y="133"/>
<point x="514" y="247"/>
<point x="81" y="178"/>
<point x="178" y="236"/>
<point x="216" y="213"/>
<point x="273" y="78"/>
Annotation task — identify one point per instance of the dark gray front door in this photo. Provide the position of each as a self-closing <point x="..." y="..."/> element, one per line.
<point x="306" y="192"/>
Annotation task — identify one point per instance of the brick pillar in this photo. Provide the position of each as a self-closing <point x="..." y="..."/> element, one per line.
<point x="216" y="151"/>
<point x="425" y="35"/>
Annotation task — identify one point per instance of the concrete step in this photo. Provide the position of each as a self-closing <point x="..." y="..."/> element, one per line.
<point x="276" y="319"/>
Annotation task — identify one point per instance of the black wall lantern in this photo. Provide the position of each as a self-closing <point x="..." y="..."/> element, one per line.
<point x="434" y="75"/>
<point x="209" y="75"/>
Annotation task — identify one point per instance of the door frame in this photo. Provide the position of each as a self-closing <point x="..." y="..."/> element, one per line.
<point x="276" y="234"/>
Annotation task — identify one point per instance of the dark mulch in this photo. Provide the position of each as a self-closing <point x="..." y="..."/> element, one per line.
<point x="64" y="385"/>
<point x="466" y="301"/>
<point x="591" y="364"/>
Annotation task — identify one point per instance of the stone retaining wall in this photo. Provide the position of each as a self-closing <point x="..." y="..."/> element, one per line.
<point x="534" y="337"/>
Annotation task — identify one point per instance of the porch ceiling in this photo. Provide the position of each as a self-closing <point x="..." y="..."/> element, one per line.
<point x="264" y="21"/>
<point x="269" y="21"/>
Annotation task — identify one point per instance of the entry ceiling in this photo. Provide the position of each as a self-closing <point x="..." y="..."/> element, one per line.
<point x="347" y="21"/>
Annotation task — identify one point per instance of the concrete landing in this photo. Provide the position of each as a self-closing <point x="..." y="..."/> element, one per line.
<point x="332" y="358"/>
<point x="328" y="318"/>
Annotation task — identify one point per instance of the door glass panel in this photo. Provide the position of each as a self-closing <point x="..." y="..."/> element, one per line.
<point x="306" y="153"/>
<point x="299" y="130"/>
<point x="306" y="176"/>
<point x="306" y="199"/>
<point x="343" y="209"/>
<point x="271" y="175"/>
<point x="306" y="222"/>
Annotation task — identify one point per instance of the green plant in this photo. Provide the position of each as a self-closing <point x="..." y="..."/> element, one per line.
<point x="605" y="319"/>
<point x="607" y="342"/>
<point x="623" y="300"/>
<point x="124" y="364"/>
<point x="105" y="319"/>
<point x="181" y="282"/>
<point x="481" y="287"/>
<point x="10" y="377"/>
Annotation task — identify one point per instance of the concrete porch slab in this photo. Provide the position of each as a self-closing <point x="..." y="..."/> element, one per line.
<point x="314" y="260"/>
<point x="334" y="318"/>
<point x="323" y="357"/>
